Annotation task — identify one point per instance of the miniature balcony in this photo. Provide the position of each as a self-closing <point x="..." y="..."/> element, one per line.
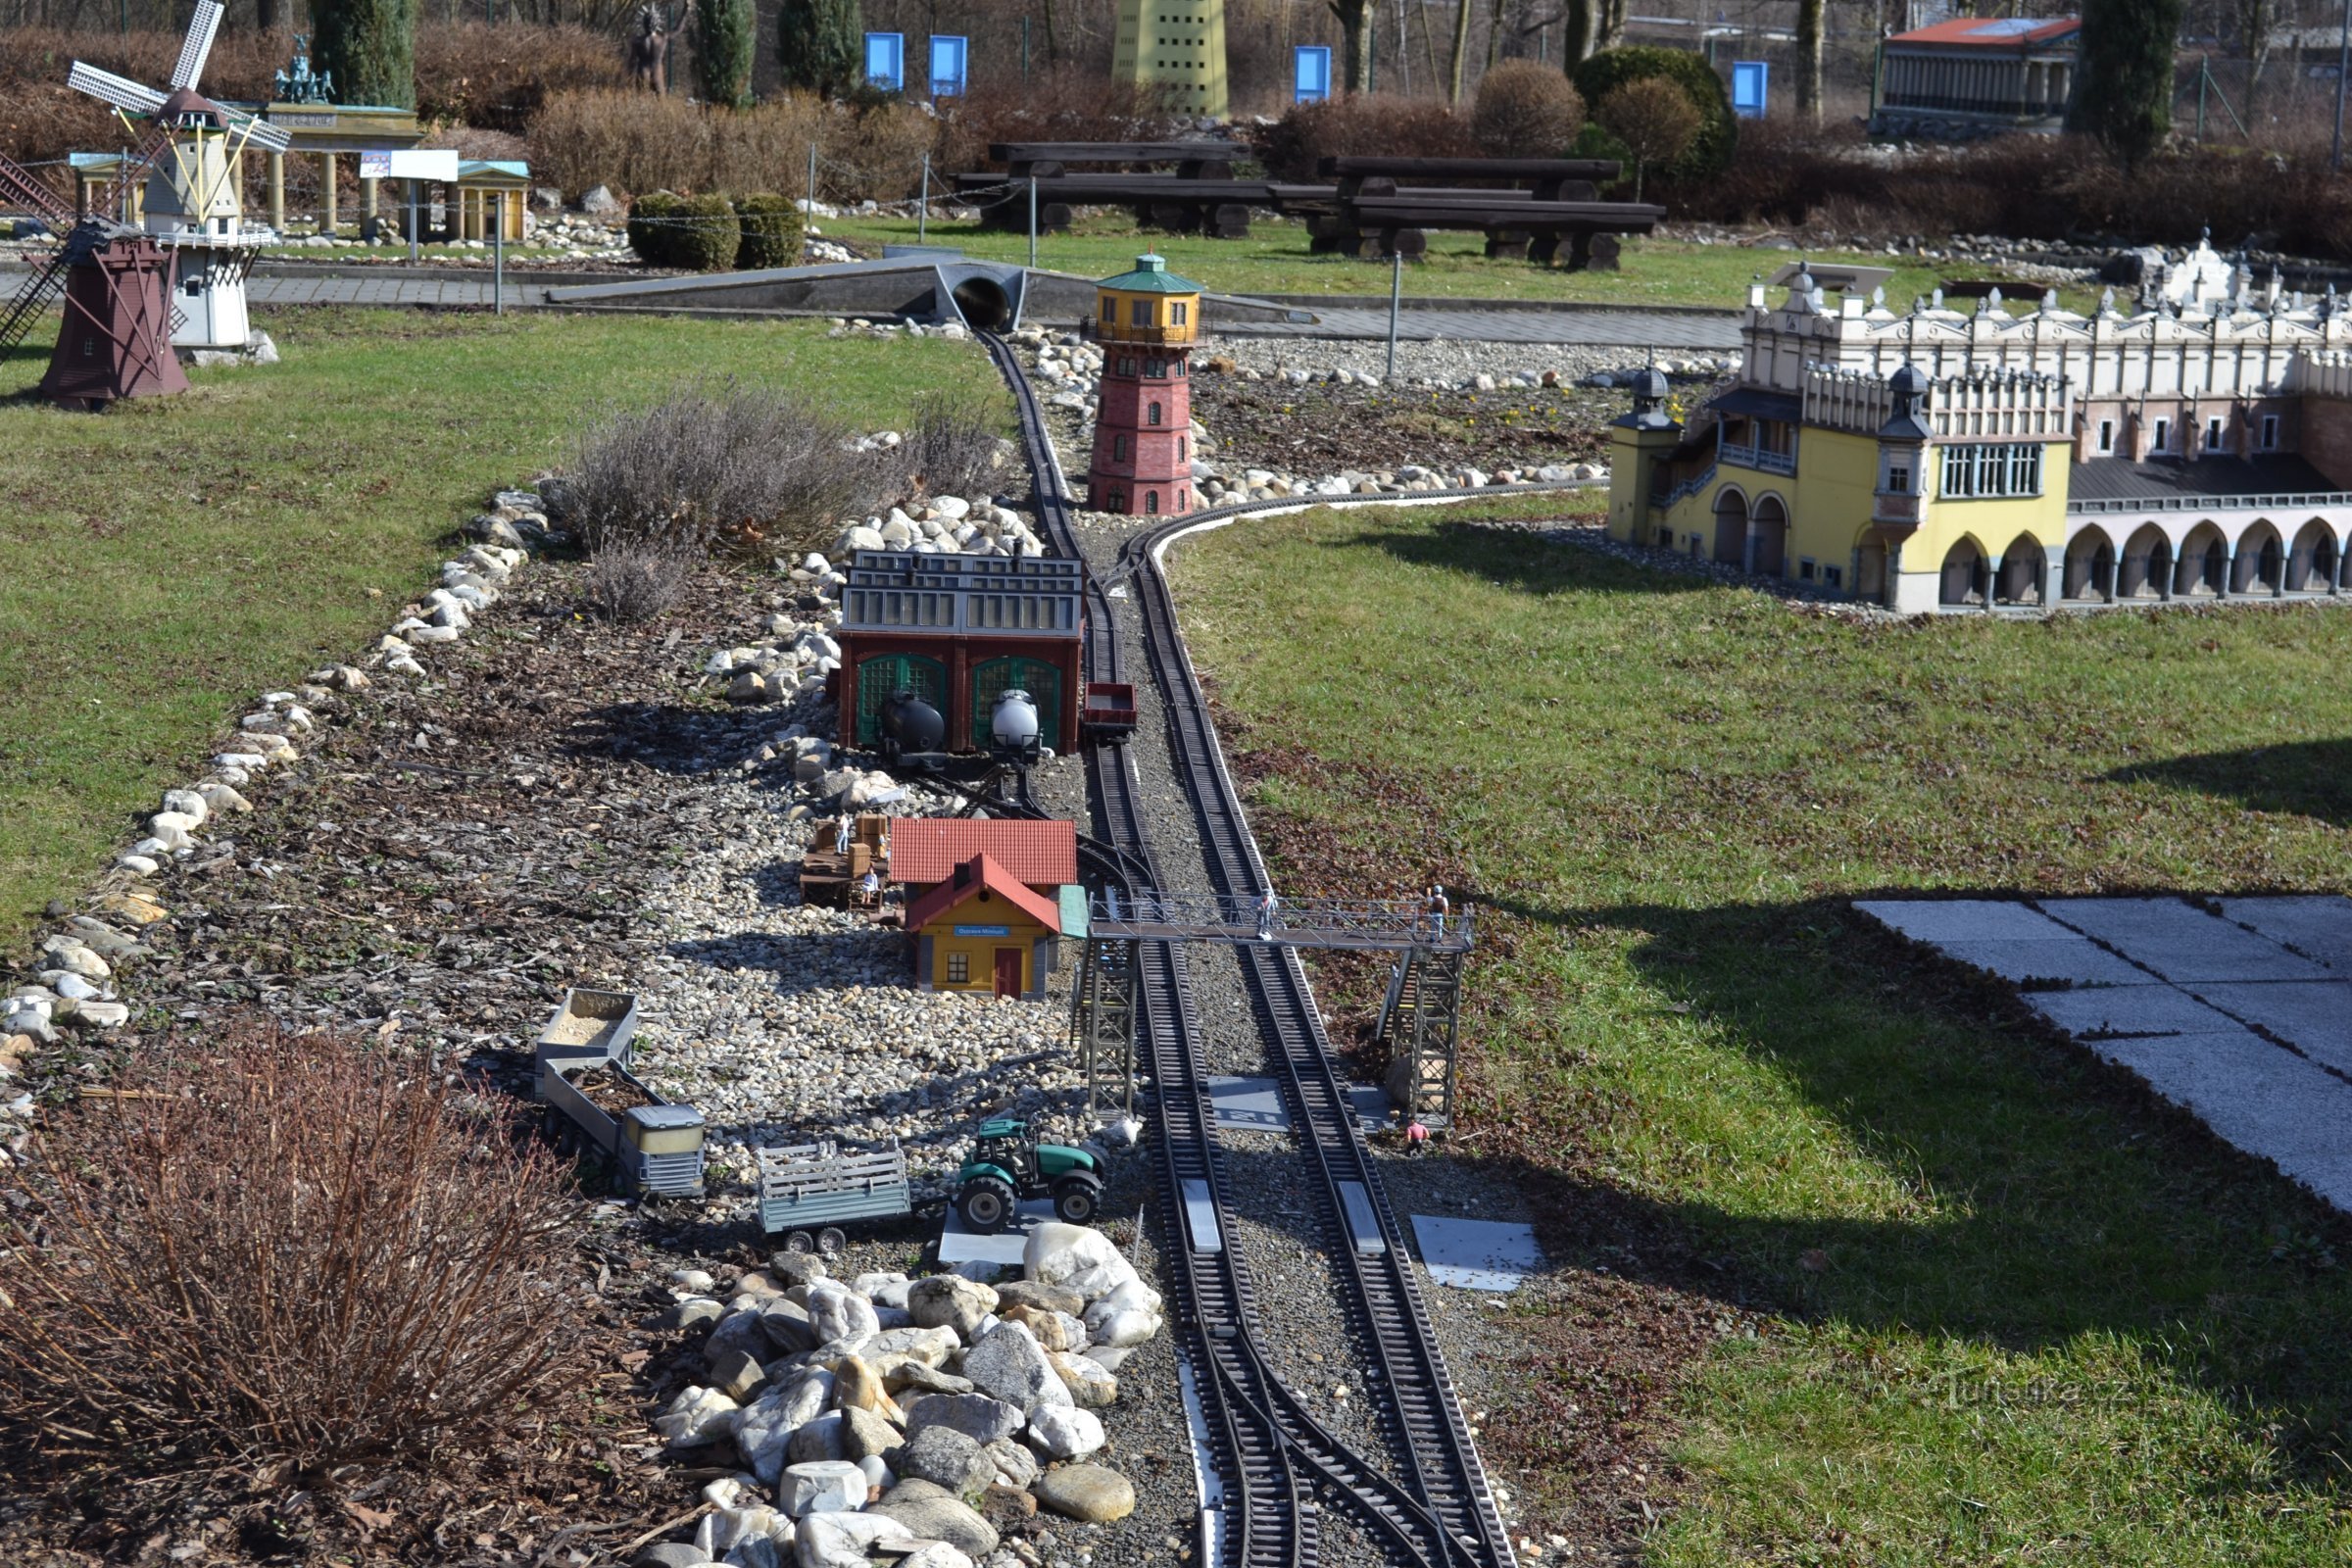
<point x="1907" y="508"/>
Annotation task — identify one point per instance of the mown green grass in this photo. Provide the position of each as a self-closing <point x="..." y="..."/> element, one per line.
<point x="2020" y="1314"/>
<point x="163" y="563"/>
<point x="1275" y="260"/>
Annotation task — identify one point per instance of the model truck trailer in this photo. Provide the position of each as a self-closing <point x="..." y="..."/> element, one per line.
<point x="583" y="1078"/>
<point x="807" y="1191"/>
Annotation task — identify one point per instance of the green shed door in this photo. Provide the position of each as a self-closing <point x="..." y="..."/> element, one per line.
<point x="884" y="674"/>
<point x="993" y="678"/>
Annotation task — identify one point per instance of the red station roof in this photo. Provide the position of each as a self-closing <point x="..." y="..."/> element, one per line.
<point x="987" y="878"/>
<point x="928" y="849"/>
<point x="1994" y="32"/>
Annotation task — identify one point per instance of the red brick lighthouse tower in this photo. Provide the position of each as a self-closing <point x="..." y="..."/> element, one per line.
<point x="1147" y="321"/>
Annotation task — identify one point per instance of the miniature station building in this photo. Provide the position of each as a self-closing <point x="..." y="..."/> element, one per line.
<point x="2198" y="448"/>
<point x="987" y="901"/>
<point x="1176" y="47"/>
<point x="1975" y="76"/>
<point x="1146" y="321"/>
<point x="960" y="631"/>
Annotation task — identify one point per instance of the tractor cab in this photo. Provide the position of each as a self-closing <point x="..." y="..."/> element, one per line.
<point x="1006" y="1165"/>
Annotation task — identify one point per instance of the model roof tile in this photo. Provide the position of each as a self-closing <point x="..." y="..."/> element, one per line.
<point x="925" y="849"/>
<point x="987" y="879"/>
<point x="1994" y="32"/>
<point x="1151" y="276"/>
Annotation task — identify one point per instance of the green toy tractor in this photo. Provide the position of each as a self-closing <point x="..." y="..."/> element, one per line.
<point x="1008" y="1165"/>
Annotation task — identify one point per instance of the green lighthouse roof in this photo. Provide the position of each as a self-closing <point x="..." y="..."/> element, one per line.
<point x="1151" y="276"/>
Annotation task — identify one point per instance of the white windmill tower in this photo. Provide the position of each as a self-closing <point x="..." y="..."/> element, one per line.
<point x="192" y="201"/>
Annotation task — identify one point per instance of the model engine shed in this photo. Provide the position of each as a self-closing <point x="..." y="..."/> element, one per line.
<point x="959" y="631"/>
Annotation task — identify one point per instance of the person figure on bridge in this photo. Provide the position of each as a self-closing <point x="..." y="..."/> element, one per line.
<point x="1266" y="907"/>
<point x="841" y="838"/>
<point x="1438" y="909"/>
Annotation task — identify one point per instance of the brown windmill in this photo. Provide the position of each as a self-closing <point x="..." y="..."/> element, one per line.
<point x="116" y="281"/>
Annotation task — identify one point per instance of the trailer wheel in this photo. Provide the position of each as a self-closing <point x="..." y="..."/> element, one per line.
<point x="1075" y="1198"/>
<point x="985" y="1203"/>
<point x="830" y="1241"/>
<point x="800" y="1242"/>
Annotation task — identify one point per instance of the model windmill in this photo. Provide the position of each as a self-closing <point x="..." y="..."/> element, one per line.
<point x="192" y="203"/>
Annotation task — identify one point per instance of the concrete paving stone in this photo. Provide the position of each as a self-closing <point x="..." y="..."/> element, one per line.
<point x="2181" y="942"/>
<point x="2127" y="1010"/>
<point x="1941" y="920"/>
<point x="2259" y="1097"/>
<point x="2318" y="927"/>
<point x="958" y="1245"/>
<point x="2068" y="960"/>
<point x="1254" y="1104"/>
<point x="2315" y="1016"/>
<point x="1475" y="1254"/>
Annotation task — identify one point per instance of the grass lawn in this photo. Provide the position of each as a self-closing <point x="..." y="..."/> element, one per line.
<point x="2014" y="1313"/>
<point x="1275" y="260"/>
<point x="163" y="563"/>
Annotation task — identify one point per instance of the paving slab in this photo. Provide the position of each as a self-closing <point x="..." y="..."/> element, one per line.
<point x="2260" y="1097"/>
<point x="1371" y="1105"/>
<point x="2181" y="942"/>
<point x="2315" y="1016"/>
<point x="1475" y="1254"/>
<point x="1941" y="920"/>
<point x="2318" y="928"/>
<point x="2063" y="960"/>
<point x="958" y="1245"/>
<point x="1251" y="1103"/>
<point x="2127" y="1010"/>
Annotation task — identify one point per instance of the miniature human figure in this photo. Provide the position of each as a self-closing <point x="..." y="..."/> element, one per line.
<point x="1265" y="917"/>
<point x="841" y="836"/>
<point x="869" y="887"/>
<point x="1417" y="1137"/>
<point x="1438" y="908"/>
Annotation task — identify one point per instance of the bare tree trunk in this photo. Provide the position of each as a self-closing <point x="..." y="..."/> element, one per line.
<point x="1808" y="58"/>
<point x="1461" y="49"/>
<point x="1576" y="32"/>
<point x="1355" y="42"/>
<point x="1053" y="45"/>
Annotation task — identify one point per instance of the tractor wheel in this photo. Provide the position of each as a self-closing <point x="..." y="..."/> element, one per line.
<point x="986" y="1205"/>
<point x="799" y="1243"/>
<point x="1075" y="1199"/>
<point x="830" y="1241"/>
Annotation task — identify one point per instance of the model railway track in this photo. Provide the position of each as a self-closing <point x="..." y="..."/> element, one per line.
<point x="1270" y="1448"/>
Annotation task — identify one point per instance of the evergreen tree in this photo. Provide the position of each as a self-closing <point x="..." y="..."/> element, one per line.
<point x="370" y="46"/>
<point x="2124" y="86"/>
<point x="821" y="45"/>
<point x="726" y="35"/>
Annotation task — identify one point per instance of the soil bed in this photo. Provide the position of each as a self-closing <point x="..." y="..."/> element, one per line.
<point x="1324" y="427"/>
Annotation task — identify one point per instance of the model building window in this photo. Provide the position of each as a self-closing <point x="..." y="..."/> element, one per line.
<point x="1156" y="368"/>
<point x="1179" y="313"/>
<point x="1118" y="449"/>
<point x="2106" y="435"/>
<point x="1834" y="577"/>
<point x="1179" y="449"/>
<point x="960" y="968"/>
<point x="1151" y="415"/>
<point x="1150" y="501"/>
<point x="1804" y="570"/>
<point x="1899" y="479"/>
<point x="1142" y="314"/>
<point x="2164" y="436"/>
<point x="2213" y="435"/>
<point x="2270" y="433"/>
<point x="1110" y="309"/>
<point x="1996" y="468"/>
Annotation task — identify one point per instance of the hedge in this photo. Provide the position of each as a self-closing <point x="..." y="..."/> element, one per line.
<point x="699" y="234"/>
<point x="1718" y="135"/>
<point x="774" y="232"/>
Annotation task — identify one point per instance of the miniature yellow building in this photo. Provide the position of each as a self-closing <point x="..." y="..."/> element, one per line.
<point x="2198" y="448"/>
<point x="1177" y="46"/>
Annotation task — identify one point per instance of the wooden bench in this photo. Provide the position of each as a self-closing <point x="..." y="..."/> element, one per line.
<point x="1372" y="214"/>
<point x="1549" y="178"/>
<point x="1217" y="208"/>
<point x="1193" y="158"/>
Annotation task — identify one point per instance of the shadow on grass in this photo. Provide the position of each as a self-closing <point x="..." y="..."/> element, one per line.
<point x="1510" y="560"/>
<point x="2307" y="778"/>
<point x="2032" y="1194"/>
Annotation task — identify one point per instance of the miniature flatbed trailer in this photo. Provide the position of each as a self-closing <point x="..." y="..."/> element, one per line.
<point x="807" y="1191"/>
<point x="583" y="1078"/>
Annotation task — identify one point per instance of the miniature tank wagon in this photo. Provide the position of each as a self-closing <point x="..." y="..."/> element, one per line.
<point x="958" y="632"/>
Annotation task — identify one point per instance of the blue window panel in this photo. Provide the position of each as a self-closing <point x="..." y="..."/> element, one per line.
<point x="948" y="59"/>
<point x="1311" y="73"/>
<point x="886" y="61"/>
<point x="1750" y="81"/>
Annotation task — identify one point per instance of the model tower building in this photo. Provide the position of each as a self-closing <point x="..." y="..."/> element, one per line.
<point x="1177" y="46"/>
<point x="1147" y="321"/>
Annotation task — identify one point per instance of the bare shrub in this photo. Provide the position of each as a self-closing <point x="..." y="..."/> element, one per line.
<point x="1526" y="108"/>
<point x="1362" y="124"/>
<point x="874" y="151"/>
<point x="634" y="142"/>
<point x="281" y="1247"/>
<point x="1654" y="119"/>
<point x="635" y="581"/>
<point x="720" y="471"/>
<point x="497" y="77"/>
<point x="1067" y="104"/>
<point x="950" y="448"/>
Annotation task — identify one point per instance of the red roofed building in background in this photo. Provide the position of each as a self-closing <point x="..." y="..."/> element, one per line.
<point x="925" y="850"/>
<point x="1975" y="76"/>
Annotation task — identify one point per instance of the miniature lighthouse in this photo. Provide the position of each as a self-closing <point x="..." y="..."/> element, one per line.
<point x="1146" y="321"/>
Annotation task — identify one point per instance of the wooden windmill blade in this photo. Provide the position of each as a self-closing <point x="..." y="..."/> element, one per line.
<point x="31" y="301"/>
<point x="260" y="132"/>
<point x="20" y="185"/>
<point x="198" y="44"/>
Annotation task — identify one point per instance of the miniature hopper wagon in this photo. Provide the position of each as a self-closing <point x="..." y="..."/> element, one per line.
<point x="583" y="1077"/>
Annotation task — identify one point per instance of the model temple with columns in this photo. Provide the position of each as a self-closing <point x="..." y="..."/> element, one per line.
<point x="2200" y="447"/>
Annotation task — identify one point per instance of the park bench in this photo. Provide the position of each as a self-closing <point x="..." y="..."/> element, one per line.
<point x="1193" y="158"/>
<point x="1218" y="208"/>
<point x="1371" y="213"/>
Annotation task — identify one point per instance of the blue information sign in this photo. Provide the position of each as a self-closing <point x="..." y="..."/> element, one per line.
<point x="983" y="931"/>
<point x="1750" y="79"/>
<point x="1311" y="73"/>
<point x="886" y="61"/>
<point x="948" y="55"/>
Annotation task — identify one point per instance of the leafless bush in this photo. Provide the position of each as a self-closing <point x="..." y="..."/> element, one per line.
<point x="635" y="142"/>
<point x="1362" y="124"/>
<point x="286" y="1247"/>
<point x="497" y="77"/>
<point x="1526" y="108"/>
<point x="951" y="449"/>
<point x="724" y="471"/>
<point x="635" y="581"/>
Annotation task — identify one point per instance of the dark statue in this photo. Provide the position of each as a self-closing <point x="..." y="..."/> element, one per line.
<point x="649" y="49"/>
<point x="300" y="85"/>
